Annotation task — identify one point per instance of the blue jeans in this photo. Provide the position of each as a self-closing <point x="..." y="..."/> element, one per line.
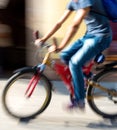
<point x="78" y="53"/>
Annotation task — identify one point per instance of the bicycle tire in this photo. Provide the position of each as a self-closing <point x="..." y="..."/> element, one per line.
<point x="103" y="103"/>
<point x="12" y="95"/>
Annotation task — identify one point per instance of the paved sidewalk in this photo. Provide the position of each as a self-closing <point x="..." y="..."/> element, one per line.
<point x="55" y="116"/>
<point x="60" y="98"/>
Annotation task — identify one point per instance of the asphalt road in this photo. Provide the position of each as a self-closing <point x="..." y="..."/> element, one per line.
<point x="55" y="117"/>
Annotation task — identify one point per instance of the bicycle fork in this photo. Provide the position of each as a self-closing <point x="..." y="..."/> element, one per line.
<point x="34" y="80"/>
<point x="32" y="84"/>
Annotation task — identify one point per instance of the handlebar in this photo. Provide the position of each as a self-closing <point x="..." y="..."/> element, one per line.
<point x="43" y="45"/>
<point x="36" y="36"/>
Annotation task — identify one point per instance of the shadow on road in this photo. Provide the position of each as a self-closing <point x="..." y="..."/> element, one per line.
<point x="112" y="123"/>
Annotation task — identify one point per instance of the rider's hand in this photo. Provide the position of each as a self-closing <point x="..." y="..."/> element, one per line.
<point x="52" y="48"/>
<point x="38" y="42"/>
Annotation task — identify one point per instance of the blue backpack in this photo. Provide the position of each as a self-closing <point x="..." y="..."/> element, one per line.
<point x="111" y="9"/>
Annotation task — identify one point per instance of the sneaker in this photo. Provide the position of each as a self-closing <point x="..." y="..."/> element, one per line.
<point x="81" y="105"/>
<point x="76" y="104"/>
<point x="73" y="104"/>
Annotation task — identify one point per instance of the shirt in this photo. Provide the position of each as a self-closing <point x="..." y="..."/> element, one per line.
<point x="96" y="20"/>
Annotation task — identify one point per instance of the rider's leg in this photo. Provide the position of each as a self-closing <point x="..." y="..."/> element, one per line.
<point x="69" y="51"/>
<point x="92" y="46"/>
<point x="76" y="56"/>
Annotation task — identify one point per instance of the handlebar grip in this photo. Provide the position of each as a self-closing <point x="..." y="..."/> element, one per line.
<point x="36" y="35"/>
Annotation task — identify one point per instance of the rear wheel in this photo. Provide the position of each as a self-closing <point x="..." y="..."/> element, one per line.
<point x="18" y="103"/>
<point x="104" y="103"/>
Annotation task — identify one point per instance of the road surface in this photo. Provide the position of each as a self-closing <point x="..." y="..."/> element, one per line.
<point x="55" y="117"/>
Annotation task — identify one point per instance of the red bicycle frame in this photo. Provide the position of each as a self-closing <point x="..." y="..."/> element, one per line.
<point x="64" y="72"/>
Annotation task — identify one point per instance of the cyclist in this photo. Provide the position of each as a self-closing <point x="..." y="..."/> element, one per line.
<point x="97" y="38"/>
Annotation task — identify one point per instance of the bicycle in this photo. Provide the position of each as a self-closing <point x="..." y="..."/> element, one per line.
<point x="30" y="84"/>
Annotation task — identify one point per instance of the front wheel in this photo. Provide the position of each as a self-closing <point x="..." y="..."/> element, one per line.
<point x="18" y="100"/>
<point x="104" y="103"/>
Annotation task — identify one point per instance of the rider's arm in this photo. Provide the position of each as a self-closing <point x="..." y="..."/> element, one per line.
<point x="80" y="15"/>
<point x="58" y="24"/>
<point x="55" y="27"/>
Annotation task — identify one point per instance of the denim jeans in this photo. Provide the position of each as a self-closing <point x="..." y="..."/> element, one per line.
<point x="78" y="53"/>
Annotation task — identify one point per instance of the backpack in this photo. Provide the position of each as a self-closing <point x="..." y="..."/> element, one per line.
<point x="111" y="9"/>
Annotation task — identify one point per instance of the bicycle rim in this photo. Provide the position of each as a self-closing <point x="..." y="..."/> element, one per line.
<point x="16" y="100"/>
<point x="102" y="102"/>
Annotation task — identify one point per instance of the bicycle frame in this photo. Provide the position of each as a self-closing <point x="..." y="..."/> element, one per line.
<point x="63" y="71"/>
